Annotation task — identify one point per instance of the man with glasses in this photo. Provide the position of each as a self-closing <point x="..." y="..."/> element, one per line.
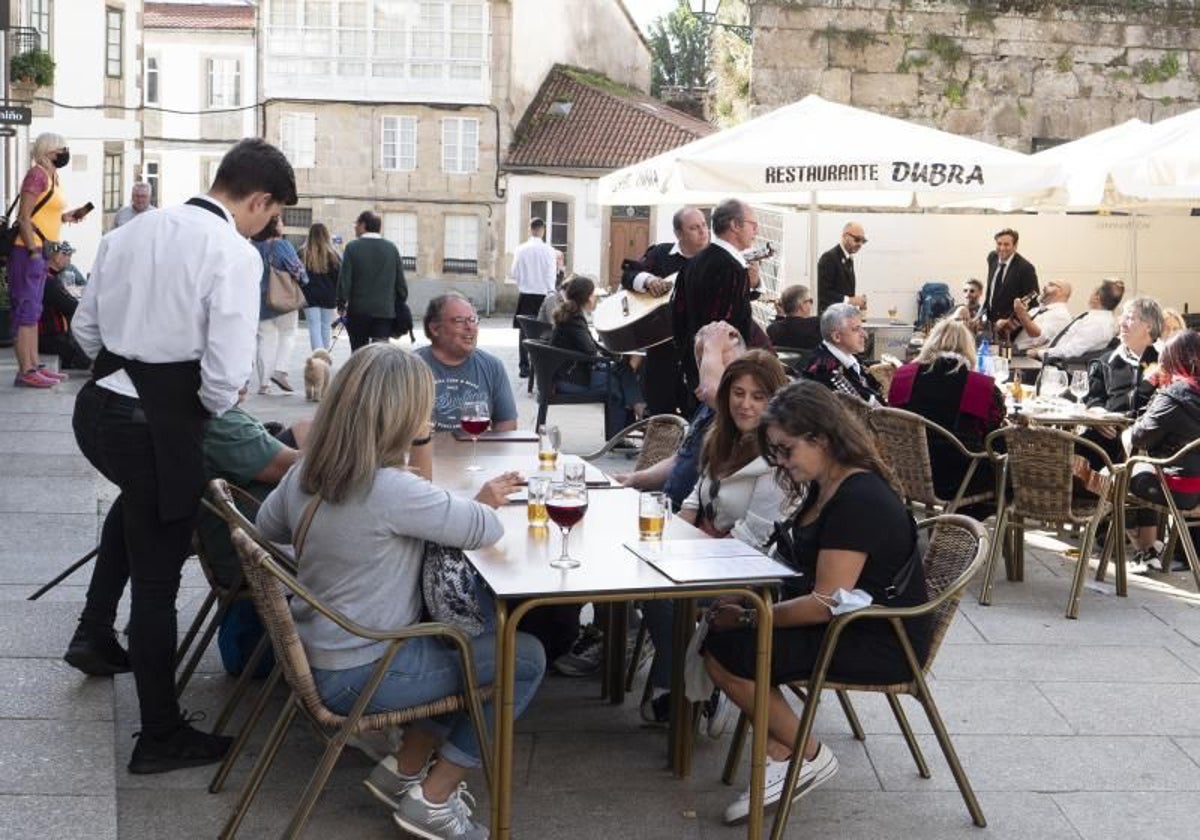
<point x="836" y="282"/>
<point x="1042" y="324"/>
<point x="795" y="325"/>
<point x="716" y="285"/>
<point x="835" y="364"/>
<point x="461" y="371"/>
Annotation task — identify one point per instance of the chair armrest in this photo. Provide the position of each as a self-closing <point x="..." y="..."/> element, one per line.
<point x="612" y="442"/>
<point x="1167" y="461"/>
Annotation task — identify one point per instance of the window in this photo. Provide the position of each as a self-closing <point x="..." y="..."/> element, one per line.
<point x="224" y="83"/>
<point x="460" y="145"/>
<point x="297" y="217"/>
<point x="39" y="19"/>
<point x="113" y="176"/>
<point x="151" y="80"/>
<point x="557" y="215"/>
<point x="399" y="143"/>
<point x="461" y="249"/>
<point x="114" y="42"/>
<point x="401" y="228"/>
<point x="152" y="178"/>
<point x="298" y="139"/>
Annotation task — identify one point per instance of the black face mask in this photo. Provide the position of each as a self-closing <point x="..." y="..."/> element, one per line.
<point x="62" y="159"/>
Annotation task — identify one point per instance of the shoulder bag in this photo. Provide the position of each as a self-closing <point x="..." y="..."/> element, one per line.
<point x="283" y="292"/>
<point x="448" y="583"/>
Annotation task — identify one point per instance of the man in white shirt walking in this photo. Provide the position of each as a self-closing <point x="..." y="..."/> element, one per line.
<point x="170" y="315"/>
<point x="534" y="268"/>
<point x="1089" y="331"/>
<point x="1042" y="324"/>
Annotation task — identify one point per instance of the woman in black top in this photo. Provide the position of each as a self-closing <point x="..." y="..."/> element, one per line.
<point x="320" y="298"/>
<point x="852" y="531"/>
<point x="571" y="332"/>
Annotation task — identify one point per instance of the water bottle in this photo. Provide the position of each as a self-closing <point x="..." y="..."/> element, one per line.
<point x="981" y="357"/>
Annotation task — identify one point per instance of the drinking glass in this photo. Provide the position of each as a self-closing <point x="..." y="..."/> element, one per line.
<point x="1054" y="382"/>
<point x="538" y="487"/>
<point x="1000" y="369"/>
<point x="549" y="441"/>
<point x="653" y="512"/>
<point x="474" y="420"/>
<point x="1079" y="385"/>
<point x="566" y="503"/>
<point x="573" y="472"/>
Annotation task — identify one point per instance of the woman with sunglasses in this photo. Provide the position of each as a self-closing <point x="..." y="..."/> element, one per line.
<point x="850" y="532"/>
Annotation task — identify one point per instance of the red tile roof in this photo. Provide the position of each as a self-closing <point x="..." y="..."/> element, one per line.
<point x="606" y="125"/>
<point x="198" y="16"/>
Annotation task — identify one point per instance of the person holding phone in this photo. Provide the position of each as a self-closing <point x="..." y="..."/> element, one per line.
<point x="40" y="217"/>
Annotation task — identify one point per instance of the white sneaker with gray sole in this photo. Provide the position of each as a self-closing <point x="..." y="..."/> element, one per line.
<point x="451" y="819"/>
<point x="812" y="774"/>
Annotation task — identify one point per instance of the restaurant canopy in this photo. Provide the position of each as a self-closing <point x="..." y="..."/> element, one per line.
<point x="1167" y="168"/>
<point x="819" y="153"/>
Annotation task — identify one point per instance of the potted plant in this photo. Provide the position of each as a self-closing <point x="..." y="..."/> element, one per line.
<point x="5" y="309"/>
<point x="33" y="68"/>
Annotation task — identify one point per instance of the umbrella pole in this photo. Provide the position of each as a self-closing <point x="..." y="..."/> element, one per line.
<point x="812" y="244"/>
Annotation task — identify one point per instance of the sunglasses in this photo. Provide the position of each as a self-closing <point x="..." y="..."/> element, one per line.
<point x="861" y="240"/>
<point x="777" y="454"/>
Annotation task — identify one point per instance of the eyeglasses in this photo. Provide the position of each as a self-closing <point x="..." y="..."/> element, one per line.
<point x="777" y="454"/>
<point x="861" y="240"/>
<point x="463" y="320"/>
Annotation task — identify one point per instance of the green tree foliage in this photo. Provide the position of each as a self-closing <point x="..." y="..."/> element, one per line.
<point x="679" y="49"/>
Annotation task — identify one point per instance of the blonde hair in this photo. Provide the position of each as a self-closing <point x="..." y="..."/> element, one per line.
<point x="1172" y="322"/>
<point x="45" y="143"/>
<point x="317" y="253"/>
<point x="949" y="335"/>
<point x="378" y="403"/>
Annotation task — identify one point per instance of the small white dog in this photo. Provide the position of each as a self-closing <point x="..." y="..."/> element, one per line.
<point x="317" y="370"/>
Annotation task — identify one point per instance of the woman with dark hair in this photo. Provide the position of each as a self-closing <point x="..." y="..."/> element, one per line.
<point x="320" y="295"/>
<point x="1171" y="421"/>
<point x="831" y="462"/>
<point x="571" y="332"/>
<point x="276" y="330"/>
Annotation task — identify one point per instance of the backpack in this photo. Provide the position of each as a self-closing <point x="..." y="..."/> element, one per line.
<point x="933" y="302"/>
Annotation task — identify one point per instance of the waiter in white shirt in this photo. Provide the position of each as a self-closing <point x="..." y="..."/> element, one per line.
<point x="534" y="267"/>
<point x="169" y="315"/>
<point x="1090" y="331"/>
<point x="1042" y="324"/>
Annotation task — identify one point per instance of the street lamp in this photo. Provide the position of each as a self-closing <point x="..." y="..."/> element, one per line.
<point x="706" y="12"/>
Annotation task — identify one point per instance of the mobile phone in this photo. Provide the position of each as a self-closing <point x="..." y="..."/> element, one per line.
<point x="84" y="210"/>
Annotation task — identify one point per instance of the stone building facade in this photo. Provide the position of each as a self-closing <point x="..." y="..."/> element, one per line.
<point x="1018" y="73"/>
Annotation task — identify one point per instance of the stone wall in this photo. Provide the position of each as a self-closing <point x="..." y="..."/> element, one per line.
<point x="980" y="68"/>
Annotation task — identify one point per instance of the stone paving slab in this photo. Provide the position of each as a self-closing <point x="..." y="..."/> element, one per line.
<point x="35" y="495"/>
<point x="50" y="689"/>
<point x="53" y="757"/>
<point x="36" y="629"/>
<point x="58" y="817"/>
<point x="1102" y="816"/>
<point x="1107" y="708"/>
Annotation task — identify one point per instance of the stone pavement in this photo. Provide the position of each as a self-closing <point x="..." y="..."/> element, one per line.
<point x="1068" y="729"/>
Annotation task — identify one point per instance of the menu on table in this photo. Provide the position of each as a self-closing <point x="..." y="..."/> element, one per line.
<point x="695" y="561"/>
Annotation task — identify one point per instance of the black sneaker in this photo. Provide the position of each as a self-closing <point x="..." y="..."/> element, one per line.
<point x="657" y="710"/>
<point x="182" y="747"/>
<point x="97" y="654"/>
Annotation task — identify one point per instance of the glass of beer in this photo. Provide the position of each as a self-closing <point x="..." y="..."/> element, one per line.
<point x="538" y="487"/>
<point x="549" y="440"/>
<point x="653" y="511"/>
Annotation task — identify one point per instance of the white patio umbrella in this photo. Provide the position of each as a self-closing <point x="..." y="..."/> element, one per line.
<point x="1087" y="163"/>
<point x="818" y="153"/>
<point x="1168" y="169"/>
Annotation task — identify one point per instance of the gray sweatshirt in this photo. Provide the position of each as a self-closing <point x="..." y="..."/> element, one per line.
<point x="363" y="557"/>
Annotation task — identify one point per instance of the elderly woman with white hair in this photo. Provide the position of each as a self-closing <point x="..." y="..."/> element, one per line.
<point x="40" y="217"/>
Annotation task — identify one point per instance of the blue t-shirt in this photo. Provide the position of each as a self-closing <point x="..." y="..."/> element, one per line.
<point x="686" y="471"/>
<point x="480" y="377"/>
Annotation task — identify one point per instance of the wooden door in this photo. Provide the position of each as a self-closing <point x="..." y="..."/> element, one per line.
<point x="628" y="239"/>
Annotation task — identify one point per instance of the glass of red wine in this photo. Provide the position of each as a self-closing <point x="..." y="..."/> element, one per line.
<point x="474" y="419"/>
<point x="566" y="503"/>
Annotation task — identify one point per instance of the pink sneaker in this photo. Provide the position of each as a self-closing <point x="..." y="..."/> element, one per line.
<point x="52" y="374"/>
<point x="33" y="379"/>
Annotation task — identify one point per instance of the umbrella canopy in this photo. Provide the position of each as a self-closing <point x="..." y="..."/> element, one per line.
<point x="824" y="153"/>
<point x="1088" y="161"/>
<point x="1168" y="170"/>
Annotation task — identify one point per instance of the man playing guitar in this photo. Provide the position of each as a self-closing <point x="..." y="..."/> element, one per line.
<point x="661" y="380"/>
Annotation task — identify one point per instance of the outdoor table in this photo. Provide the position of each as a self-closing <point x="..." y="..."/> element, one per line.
<point x="517" y="571"/>
<point x="1068" y="415"/>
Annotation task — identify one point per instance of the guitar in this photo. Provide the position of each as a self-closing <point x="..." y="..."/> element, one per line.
<point x="626" y="321"/>
<point x="1009" y="328"/>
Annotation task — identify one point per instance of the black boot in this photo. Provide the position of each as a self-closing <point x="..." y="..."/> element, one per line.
<point x="97" y="653"/>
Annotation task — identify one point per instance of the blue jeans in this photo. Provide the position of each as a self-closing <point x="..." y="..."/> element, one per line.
<point x="320" y="326"/>
<point x="426" y="669"/>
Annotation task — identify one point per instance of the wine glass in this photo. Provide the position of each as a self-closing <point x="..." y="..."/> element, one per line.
<point x="1079" y="385"/>
<point x="474" y="419"/>
<point x="1000" y="369"/>
<point x="566" y="503"/>
<point x="1054" y="382"/>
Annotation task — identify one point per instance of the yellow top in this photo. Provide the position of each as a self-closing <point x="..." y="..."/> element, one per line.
<point x="49" y="218"/>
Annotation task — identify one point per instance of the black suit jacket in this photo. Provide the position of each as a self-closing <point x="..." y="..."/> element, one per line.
<point x="835" y="278"/>
<point x="713" y="287"/>
<point x="795" y="331"/>
<point x="658" y="260"/>
<point x="1019" y="280"/>
<point x="825" y="368"/>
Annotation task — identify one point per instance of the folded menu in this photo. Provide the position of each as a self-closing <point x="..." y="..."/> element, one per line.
<point x="515" y="436"/>
<point x="694" y="561"/>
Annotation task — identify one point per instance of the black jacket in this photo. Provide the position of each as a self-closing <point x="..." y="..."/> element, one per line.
<point x="1119" y="386"/>
<point x="1171" y="422"/>
<point x="825" y="368"/>
<point x="795" y="331"/>
<point x="713" y="287"/>
<point x="658" y="260"/>
<point x="574" y="334"/>
<point x="835" y="278"/>
<point x="1019" y="280"/>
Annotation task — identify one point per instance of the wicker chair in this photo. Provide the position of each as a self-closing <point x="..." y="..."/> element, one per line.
<point x="660" y="434"/>
<point x="268" y="582"/>
<point x="1037" y="464"/>
<point x="903" y="439"/>
<point x="221" y="596"/>
<point x="1178" y="521"/>
<point x="957" y="547"/>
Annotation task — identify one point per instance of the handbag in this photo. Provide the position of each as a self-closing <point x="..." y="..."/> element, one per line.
<point x="283" y="292"/>
<point x="448" y="583"/>
<point x="9" y="233"/>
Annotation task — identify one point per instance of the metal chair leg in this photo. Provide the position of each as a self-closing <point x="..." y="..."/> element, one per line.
<point x="989" y="572"/>
<point x="943" y="738"/>
<point x="1085" y="550"/>
<point x="242" y="685"/>
<point x="734" y="757"/>
<point x="210" y="630"/>
<point x="851" y="716"/>
<point x="243" y="736"/>
<point x="250" y="789"/>
<point x="635" y="659"/>
<point x="913" y="747"/>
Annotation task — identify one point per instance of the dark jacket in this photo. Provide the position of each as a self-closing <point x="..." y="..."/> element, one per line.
<point x="825" y="368"/>
<point x="1118" y="386"/>
<point x="1171" y="421"/>
<point x="371" y="279"/>
<point x="658" y="260"/>
<point x="573" y="334"/>
<point x="321" y="290"/>
<point x="835" y="278"/>
<point x="1019" y="280"/>
<point x="795" y="331"/>
<point x="713" y="287"/>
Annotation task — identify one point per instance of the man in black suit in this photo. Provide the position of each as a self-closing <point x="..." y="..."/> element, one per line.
<point x="835" y="364"/>
<point x="1010" y="276"/>
<point x="716" y="284"/>
<point x="659" y="373"/>
<point x="835" y="270"/>
<point x="795" y="326"/>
